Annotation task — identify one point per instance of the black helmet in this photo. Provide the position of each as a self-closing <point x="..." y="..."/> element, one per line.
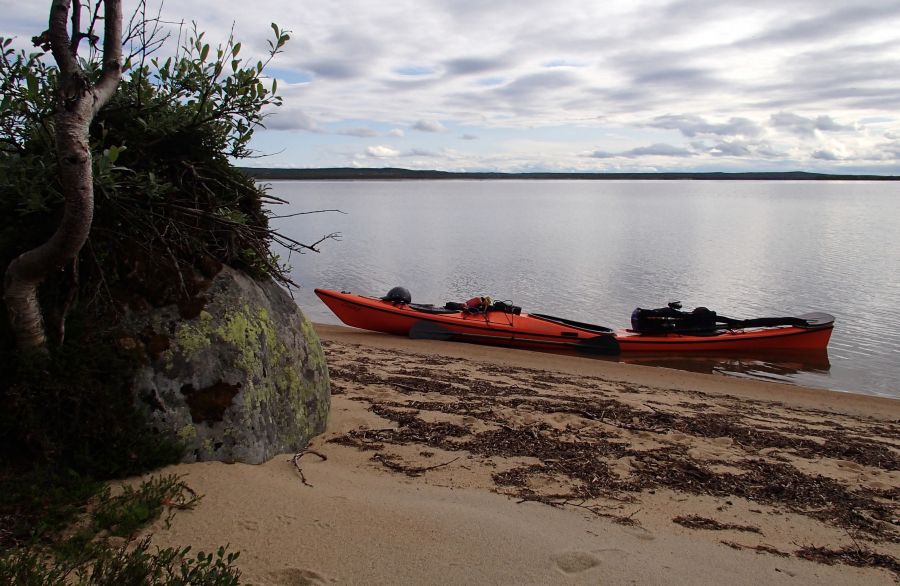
<point x="398" y="295"/>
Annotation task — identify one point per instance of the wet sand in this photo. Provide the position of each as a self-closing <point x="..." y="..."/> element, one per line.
<point x="449" y="463"/>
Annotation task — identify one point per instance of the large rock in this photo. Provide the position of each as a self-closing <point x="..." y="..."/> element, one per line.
<point x="241" y="381"/>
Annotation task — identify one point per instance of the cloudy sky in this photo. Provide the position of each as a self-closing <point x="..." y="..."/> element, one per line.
<point x="568" y="85"/>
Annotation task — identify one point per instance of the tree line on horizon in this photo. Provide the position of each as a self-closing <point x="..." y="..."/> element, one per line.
<point x="338" y="173"/>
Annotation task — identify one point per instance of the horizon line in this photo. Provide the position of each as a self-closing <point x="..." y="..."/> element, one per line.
<point x="402" y="173"/>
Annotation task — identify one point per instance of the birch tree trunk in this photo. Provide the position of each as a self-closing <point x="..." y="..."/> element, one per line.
<point x="78" y="101"/>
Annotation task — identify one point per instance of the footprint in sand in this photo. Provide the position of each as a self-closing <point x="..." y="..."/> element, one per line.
<point x="249" y="524"/>
<point x="576" y="562"/>
<point x="298" y="577"/>
<point x="848" y="465"/>
<point x="286" y="519"/>
<point x="319" y="524"/>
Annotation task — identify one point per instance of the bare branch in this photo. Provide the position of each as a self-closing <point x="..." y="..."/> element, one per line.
<point x="76" y="27"/>
<point x="112" y="54"/>
<point x="306" y="213"/>
<point x="336" y="236"/>
<point x="89" y="35"/>
<point x="59" y="37"/>
<point x="144" y="35"/>
<point x="299" y="246"/>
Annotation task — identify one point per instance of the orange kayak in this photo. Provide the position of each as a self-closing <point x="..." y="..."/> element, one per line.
<point x="544" y="332"/>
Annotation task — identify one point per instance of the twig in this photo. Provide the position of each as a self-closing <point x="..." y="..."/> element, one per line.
<point x="560" y="503"/>
<point x="306" y="213"/>
<point x="295" y="460"/>
<point x="439" y="465"/>
<point x="405" y="387"/>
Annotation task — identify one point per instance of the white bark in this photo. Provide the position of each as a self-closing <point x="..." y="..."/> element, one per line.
<point x="77" y="103"/>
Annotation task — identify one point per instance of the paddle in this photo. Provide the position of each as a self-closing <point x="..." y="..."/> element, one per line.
<point x="598" y="345"/>
<point x="807" y="320"/>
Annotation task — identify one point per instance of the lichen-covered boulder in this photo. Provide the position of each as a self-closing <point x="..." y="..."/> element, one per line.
<point x="241" y="380"/>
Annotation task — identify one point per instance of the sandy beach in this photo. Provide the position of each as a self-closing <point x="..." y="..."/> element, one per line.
<point x="448" y="463"/>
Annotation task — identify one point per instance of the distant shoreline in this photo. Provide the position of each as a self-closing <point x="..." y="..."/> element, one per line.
<point x="350" y="173"/>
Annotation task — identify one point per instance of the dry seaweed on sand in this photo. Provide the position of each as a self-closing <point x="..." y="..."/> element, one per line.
<point x="394" y="463"/>
<point x="590" y="440"/>
<point x="762" y="548"/>
<point x="698" y="522"/>
<point x="854" y="555"/>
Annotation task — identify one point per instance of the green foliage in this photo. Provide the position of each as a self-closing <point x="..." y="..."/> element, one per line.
<point x="167" y="139"/>
<point x="27" y="167"/>
<point x="211" y="90"/>
<point x="27" y="567"/>
<point x="37" y="504"/>
<point x="166" y="192"/>
<point x="128" y="565"/>
<point x="86" y="557"/>
<point x="26" y="105"/>
<point x="127" y="512"/>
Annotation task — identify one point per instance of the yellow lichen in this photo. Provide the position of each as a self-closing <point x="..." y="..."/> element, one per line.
<point x="281" y="378"/>
<point x="192" y="338"/>
<point x="187" y="433"/>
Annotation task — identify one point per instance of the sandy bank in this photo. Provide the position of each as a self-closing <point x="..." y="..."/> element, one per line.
<point x="459" y="464"/>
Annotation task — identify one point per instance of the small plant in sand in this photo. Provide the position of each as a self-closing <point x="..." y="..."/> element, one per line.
<point x="82" y="552"/>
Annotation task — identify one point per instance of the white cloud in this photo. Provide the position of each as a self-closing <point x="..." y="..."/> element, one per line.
<point x="359" y="131"/>
<point x="421" y="153"/>
<point x="692" y="125"/>
<point x="291" y="120"/>
<point x="635" y="83"/>
<point x="429" y="126"/>
<point x="804" y="126"/>
<point x="824" y="155"/>
<point x="654" y="150"/>
<point x="381" y="152"/>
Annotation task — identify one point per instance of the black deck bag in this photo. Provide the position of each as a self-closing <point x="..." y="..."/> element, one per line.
<point x="671" y="319"/>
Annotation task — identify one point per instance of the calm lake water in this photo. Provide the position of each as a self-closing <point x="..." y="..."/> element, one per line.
<point x="594" y="250"/>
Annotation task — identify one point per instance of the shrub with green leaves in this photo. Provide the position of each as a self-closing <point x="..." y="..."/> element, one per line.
<point x="125" y="513"/>
<point x="83" y="554"/>
<point x="127" y="565"/>
<point x="169" y="208"/>
<point x="167" y="196"/>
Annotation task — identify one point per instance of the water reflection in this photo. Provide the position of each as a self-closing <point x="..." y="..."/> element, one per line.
<point x="785" y="367"/>
<point x="781" y="367"/>
<point x="790" y="366"/>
